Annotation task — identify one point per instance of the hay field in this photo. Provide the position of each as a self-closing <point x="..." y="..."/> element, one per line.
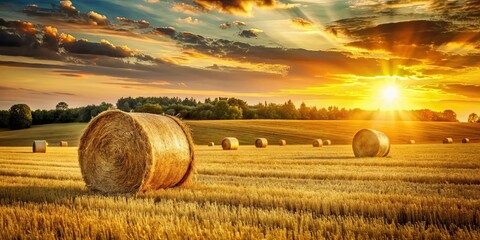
<point x="422" y="191"/>
<point x="293" y="131"/>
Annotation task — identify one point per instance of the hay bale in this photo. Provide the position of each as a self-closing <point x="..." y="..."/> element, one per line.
<point x="327" y="142"/>
<point x="412" y="141"/>
<point x="317" y="143"/>
<point x="370" y="143"/>
<point x="448" y="141"/>
<point x="261" y="143"/>
<point x="282" y="142"/>
<point x="465" y="140"/>
<point x="63" y="144"/>
<point x="39" y="146"/>
<point x="230" y="143"/>
<point x="211" y="144"/>
<point x="134" y="152"/>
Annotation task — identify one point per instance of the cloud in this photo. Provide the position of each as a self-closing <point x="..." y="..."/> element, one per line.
<point x="250" y="33"/>
<point x="190" y="20"/>
<point x="138" y="23"/>
<point x="225" y="25"/>
<point x="186" y="8"/>
<point x="98" y="19"/>
<point x="243" y="7"/>
<point x="460" y="10"/>
<point x="302" y="22"/>
<point x="239" y="23"/>
<point x="165" y="31"/>
<point x="104" y="48"/>
<point x="417" y="39"/>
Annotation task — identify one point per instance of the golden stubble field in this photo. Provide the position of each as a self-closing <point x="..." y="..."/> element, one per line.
<point x="429" y="191"/>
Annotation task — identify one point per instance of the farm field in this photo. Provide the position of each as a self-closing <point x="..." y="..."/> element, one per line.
<point x="293" y="131"/>
<point x="422" y="191"/>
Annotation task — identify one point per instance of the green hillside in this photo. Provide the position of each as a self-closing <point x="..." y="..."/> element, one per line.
<point x="294" y="131"/>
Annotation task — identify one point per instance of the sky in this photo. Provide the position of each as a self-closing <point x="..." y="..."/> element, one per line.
<point x="369" y="54"/>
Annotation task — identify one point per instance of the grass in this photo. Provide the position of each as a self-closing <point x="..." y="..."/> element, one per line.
<point x="424" y="191"/>
<point x="294" y="132"/>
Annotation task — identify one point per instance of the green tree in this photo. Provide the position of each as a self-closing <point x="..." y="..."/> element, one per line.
<point x="223" y="110"/>
<point x="61" y="106"/>
<point x="4" y="115"/>
<point x="473" y="117"/>
<point x="288" y="111"/>
<point x="304" y="111"/>
<point x="20" y="116"/>
<point x="151" y="108"/>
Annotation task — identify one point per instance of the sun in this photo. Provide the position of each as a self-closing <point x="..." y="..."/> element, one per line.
<point x="390" y="93"/>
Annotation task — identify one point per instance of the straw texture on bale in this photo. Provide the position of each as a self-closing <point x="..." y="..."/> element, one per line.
<point x="370" y="143"/>
<point x="412" y="142"/>
<point x="261" y="143"/>
<point x="282" y="142"/>
<point x="447" y="140"/>
<point x="134" y="152"/>
<point x="39" y="146"/>
<point x="465" y="140"/>
<point x="317" y="143"/>
<point x="230" y="143"/>
<point x="211" y="144"/>
<point x="327" y="142"/>
<point x="63" y="144"/>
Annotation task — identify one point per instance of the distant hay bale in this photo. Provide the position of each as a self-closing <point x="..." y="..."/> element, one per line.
<point x="39" y="146"/>
<point x="317" y="143"/>
<point x="261" y="143"/>
<point x="211" y="144"/>
<point x="327" y="142"/>
<point x="370" y="143"/>
<point x="465" y="140"/>
<point x="447" y="140"/>
<point x="134" y="152"/>
<point x="230" y="143"/>
<point x="63" y="144"/>
<point x="412" y="141"/>
<point x="282" y="142"/>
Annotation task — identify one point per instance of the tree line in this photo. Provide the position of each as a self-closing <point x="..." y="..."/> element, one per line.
<point x="21" y="116"/>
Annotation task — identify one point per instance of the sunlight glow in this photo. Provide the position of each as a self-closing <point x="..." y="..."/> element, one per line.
<point x="390" y="93"/>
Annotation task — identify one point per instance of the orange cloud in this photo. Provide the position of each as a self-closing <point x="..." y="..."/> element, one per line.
<point x="302" y="22"/>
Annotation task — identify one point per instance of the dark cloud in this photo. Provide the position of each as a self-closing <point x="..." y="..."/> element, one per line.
<point x="302" y="22"/>
<point x="462" y="10"/>
<point x="65" y="11"/>
<point x="166" y="31"/>
<point x="250" y="33"/>
<point x="138" y="23"/>
<point x="348" y="25"/>
<point x="420" y="39"/>
<point x="92" y="48"/>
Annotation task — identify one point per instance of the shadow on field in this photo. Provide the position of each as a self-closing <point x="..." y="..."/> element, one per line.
<point x="40" y="194"/>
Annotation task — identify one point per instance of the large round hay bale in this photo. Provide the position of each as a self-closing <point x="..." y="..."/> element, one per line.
<point x="261" y="143"/>
<point x="63" y="144"/>
<point x="465" y="140"/>
<point x="282" y="142"/>
<point x="411" y="141"/>
<point x="370" y="143"/>
<point x="211" y="144"/>
<point x="39" y="146"/>
<point x="327" y="142"/>
<point x="134" y="152"/>
<point x="317" y="143"/>
<point x="447" y="140"/>
<point x="230" y="143"/>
